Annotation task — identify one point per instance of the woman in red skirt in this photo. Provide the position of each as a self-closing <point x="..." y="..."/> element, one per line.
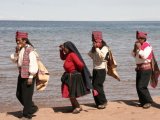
<point x="76" y="80"/>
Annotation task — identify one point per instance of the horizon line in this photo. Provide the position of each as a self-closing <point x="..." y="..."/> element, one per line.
<point x="87" y="20"/>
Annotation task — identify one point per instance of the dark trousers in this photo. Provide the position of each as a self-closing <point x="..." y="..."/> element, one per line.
<point x="142" y="81"/>
<point x="98" y="80"/>
<point x="24" y="94"/>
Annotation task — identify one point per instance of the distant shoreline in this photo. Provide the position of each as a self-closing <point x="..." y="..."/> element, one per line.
<point x="79" y="21"/>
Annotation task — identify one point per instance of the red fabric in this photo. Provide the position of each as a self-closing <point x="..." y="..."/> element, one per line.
<point x="95" y="92"/>
<point x="72" y="63"/>
<point x="97" y="36"/>
<point x="21" y="34"/>
<point x="143" y="46"/>
<point x="65" y="91"/>
<point x="154" y="83"/>
<point x="141" y="35"/>
<point x="25" y="64"/>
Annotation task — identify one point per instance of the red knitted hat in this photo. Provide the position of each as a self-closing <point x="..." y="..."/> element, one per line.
<point x="141" y="35"/>
<point x="97" y="36"/>
<point x="21" y="34"/>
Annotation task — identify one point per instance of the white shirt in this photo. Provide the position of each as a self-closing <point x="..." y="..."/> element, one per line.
<point x="144" y="55"/>
<point x="98" y="57"/>
<point x="33" y="66"/>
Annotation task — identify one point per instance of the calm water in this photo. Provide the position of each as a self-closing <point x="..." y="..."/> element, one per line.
<point x="47" y="36"/>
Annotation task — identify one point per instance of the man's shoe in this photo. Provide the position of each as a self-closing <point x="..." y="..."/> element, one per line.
<point x="101" y="106"/>
<point x="139" y="105"/>
<point x="77" y="110"/>
<point x="34" y="109"/>
<point x="147" y="105"/>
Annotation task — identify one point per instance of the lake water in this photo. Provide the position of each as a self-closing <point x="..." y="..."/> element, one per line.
<point x="46" y="36"/>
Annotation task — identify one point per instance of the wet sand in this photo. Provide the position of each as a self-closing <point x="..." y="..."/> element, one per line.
<point x="115" y="110"/>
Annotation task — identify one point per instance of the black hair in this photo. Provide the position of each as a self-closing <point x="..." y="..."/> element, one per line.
<point x="68" y="47"/>
<point x="28" y="41"/>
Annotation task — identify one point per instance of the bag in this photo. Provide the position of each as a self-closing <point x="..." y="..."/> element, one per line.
<point x="42" y="75"/>
<point x="111" y="65"/>
<point x="155" y="72"/>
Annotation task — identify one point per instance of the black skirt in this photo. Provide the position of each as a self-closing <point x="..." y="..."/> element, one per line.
<point x="75" y="84"/>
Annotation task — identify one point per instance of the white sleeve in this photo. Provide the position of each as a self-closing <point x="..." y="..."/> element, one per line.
<point x="102" y="53"/>
<point x="33" y="66"/>
<point x="14" y="57"/>
<point x="145" y="53"/>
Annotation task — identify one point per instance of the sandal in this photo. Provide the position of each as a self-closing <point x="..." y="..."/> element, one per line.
<point x="77" y="110"/>
<point x="101" y="106"/>
<point x="147" y="105"/>
<point x="139" y="105"/>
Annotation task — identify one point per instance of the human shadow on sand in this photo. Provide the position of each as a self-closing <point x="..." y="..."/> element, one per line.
<point x="65" y="109"/>
<point x="69" y="109"/>
<point x="136" y="103"/>
<point x="128" y="102"/>
<point x="156" y="105"/>
<point x="17" y="114"/>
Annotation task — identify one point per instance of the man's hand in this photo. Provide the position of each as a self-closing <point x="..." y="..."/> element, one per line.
<point x="17" y="49"/>
<point x="61" y="47"/>
<point x="29" y="82"/>
<point x="138" y="45"/>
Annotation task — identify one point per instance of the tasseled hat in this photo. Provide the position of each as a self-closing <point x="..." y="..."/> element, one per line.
<point x="141" y="35"/>
<point x="21" y="34"/>
<point x="97" y="36"/>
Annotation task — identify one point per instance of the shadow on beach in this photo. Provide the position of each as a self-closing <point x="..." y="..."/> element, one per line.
<point x="17" y="114"/>
<point x="69" y="109"/>
<point x="92" y="106"/>
<point x="86" y="107"/>
<point x="136" y="103"/>
<point x="156" y="105"/>
<point x="65" y="109"/>
<point x="128" y="102"/>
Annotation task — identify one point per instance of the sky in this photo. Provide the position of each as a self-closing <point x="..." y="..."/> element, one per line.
<point x="80" y="10"/>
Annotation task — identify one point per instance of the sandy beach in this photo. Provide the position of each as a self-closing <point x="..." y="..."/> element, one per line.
<point x="115" y="110"/>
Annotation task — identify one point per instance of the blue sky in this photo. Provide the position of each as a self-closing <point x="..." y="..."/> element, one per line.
<point x="80" y="10"/>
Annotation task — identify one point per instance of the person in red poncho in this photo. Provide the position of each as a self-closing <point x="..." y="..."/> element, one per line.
<point x="76" y="80"/>
<point x="143" y="54"/>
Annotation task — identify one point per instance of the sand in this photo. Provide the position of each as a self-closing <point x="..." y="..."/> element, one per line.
<point x="115" y="110"/>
